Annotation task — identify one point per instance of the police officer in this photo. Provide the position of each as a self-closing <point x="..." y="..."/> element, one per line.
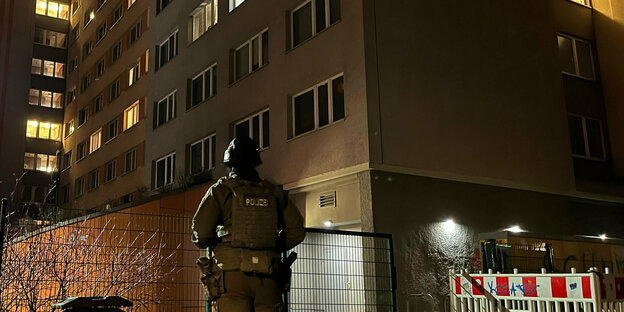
<point x="248" y="222"/>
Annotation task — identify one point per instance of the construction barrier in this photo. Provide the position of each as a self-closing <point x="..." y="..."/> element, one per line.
<point x="572" y="292"/>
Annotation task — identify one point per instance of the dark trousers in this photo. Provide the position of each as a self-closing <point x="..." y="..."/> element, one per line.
<point x="245" y="292"/>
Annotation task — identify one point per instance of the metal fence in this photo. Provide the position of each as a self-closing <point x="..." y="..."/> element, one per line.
<point x="144" y="254"/>
<point x="343" y="271"/>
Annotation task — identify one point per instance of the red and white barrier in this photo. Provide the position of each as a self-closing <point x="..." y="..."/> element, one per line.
<point x="573" y="292"/>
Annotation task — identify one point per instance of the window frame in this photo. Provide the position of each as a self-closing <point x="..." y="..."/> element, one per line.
<point x="97" y="32"/>
<point x="40" y="97"/>
<point x="168" y="172"/>
<point x="170" y="106"/>
<point x="328" y="23"/>
<point x="86" y="118"/>
<point x="87" y="23"/>
<point x="250" y="55"/>
<point x="36" y="158"/>
<point x="79" y="185"/>
<point x="95" y="144"/>
<point x="54" y="68"/>
<point x="160" y="7"/>
<point x="211" y="156"/>
<point x="133" y="164"/>
<point x="78" y="149"/>
<point x="65" y="156"/>
<point x="137" y="30"/>
<point x="44" y="35"/>
<point x="116" y="122"/>
<point x="117" y="47"/>
<point x="586" y="139"/>
<point x="201" y="9"/>
<point x="108" y="178"/>
<point x="213" y="86"/>
<point x="260" y="127"/>
<point x="330" y="106"/>
<point x="232" y="5"/>
<point x="38" y="130"/>
<point x="135" y="117"/>
<point x="71" y="126"/>
<point x="114" y="21"/>
<point x="94" y="183"/>
<point x="575" y="57"/>
<point x="116" y="86"/>
<point x="168" y="40"/>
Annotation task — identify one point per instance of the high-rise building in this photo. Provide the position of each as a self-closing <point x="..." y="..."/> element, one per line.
<point x="33" y="58"/>
<point x="103" y="139"/>
<point x="396" y="115"/>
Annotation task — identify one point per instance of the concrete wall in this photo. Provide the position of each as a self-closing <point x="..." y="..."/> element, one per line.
<point x="335" y="50"/>
<point x="413" y="210"/>
<point x="609" y="31"/>
<point x="471" y="89"/>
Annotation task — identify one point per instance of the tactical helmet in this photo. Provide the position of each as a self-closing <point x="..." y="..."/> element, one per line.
<point x="242" y="152"/>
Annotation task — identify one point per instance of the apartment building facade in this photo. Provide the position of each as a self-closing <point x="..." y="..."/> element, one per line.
<point x="32" y="78"/>
<point x="393" y="117"/>
<point x="101" y="165"/>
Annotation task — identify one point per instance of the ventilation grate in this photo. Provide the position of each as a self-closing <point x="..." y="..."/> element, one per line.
<point x="328" y="200"/>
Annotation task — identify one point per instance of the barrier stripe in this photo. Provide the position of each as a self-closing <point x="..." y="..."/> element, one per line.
<point x="587" y="287"/>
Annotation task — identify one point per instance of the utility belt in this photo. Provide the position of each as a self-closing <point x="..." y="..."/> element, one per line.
<point x="261" y="263"/>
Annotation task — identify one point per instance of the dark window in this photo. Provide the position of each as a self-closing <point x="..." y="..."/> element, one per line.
<point x="87" y="48"/>
<point x="66" y="160"/>
<point x="94" y="179"/>
<point x="116" y="52"/>
<point x="575" y="57"/>
<point x="111" y="171"/>
<point x="586" y="137"/>
<point x="130" y="161"/>
<point x="256" y="127"/>
<point x="319" y="107"/>
<point x="256" y="50"/>
<point x="135" y="32"/>
<point x="81" y="150"/>
<point x="305" y="26"/>
<point x="112" y="129"/>
<point x="83" y="116"/>
<point x="79" y="186"/>
<point x="203" y="86"/>
<point x="114" y="90"/>
<point x="161" y="4"/>
<point x="100" y="32"/>
<point x="117" y="14"/>
<point x="165" y="171"/>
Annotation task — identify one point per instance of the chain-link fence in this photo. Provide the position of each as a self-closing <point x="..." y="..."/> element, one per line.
<point x="144" y="254"/>
<point x="343" y="271"/>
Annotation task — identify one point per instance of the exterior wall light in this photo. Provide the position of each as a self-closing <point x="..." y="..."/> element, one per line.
<point x="514" y="229"/>
<point x="328" y="223"/>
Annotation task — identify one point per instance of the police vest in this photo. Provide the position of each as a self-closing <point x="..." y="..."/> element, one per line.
<point x="254" y="214"/>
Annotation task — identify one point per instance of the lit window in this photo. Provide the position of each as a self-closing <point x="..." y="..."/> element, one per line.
<point x="318" y="106"/>
<point x="130" y="161"/>
<point x="586" y="137"/>
<point x="165" y="170"/>
<point x="133" y="74"/>
<point x="583" y="2"/>
<point x="131" y="2"/>
<point x="204" y="17"/>
<point x="165" y="109"/>
<point x="52" y="9"/>
<point x="203" y="86"/>
<point x="252" y="55"/>
<point x="31" y="128"/>
<point x="131" y="116"/>
<point x="96" y="141"/>
<point x="235" y="3"/>
<point x="43" y="130"/>
<point x="576" y="57"/>
<point x="50" y="38"/>
<point x="255" y="127"/>
<point x="311" y="17"/>
<point x="202" y="155"/>
<point x="167" y="50"/>
<point x="40" y="162"/>
<point x="69" y="128"/>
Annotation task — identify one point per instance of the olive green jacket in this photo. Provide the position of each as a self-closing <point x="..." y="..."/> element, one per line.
<point x="215" y="210"/>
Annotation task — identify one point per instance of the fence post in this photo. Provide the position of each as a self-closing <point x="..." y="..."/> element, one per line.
<point x="3" y="211"/>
